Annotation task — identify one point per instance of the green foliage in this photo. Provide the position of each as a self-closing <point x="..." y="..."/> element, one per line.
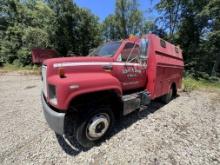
<point x="26" y="70"/>
<point x="194" y="25"/>
<point x="27" y="27"/>
<point x="126" y="20"/>
<point x="88" y="32"/>
<point x="24" y="56"/>
<point x="148" y="26"/>
<point x="170" y="14"/>
<point x="110" y="28"/>
<point x="35" y="37"/>
<point x="45" y="24"/>
<point x="192" y="84"/>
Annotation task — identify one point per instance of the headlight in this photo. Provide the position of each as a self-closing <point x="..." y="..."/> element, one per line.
<point x="44" y="78"/>
<point x="52" y="94"/>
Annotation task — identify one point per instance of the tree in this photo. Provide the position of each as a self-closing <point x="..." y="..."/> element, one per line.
<point x="170" y="14"/>
<point x="110" y="28"/>
<point x="194" y="26"/>
<point x="148" y="26"/>
<point x="77" y="30"/>
<point x="129" y="17"/>
<point x="135" y="18"/>
<point x="66" y="27"/>
<point x="212" y="12"/>
<point x="89" y="31"/>
<point x="26" y="27"/>
<point x="126" y="20"/>
<point x="192" y="37"/>
<point x="53" y="24"/>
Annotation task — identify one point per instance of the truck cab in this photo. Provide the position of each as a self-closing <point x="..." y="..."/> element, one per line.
<point x="127" y="66"/>
<point x="115" y="79"/>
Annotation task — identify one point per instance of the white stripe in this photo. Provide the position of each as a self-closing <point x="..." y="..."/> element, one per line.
<point x="66" y="64"/>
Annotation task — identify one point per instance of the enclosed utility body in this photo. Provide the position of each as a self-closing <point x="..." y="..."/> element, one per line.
<point x="164" y="67"/>
<point x="88" y="93"/>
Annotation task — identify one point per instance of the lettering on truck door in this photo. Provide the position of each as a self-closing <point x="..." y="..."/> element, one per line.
<point x="131" y="72"/>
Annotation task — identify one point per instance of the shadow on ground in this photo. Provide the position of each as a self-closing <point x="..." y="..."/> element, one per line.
<point x="71" y="147"/>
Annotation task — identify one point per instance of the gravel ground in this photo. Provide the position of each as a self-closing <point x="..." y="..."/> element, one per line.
<point x="185" y="131"/>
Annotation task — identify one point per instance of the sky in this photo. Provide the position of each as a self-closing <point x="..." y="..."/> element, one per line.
<point x="102" y="8"/>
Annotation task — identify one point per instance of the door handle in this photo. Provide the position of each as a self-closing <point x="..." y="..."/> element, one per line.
<point x="107" y="67"/>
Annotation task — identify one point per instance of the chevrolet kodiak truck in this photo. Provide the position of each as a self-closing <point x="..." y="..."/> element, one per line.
<point x="82" y="96"/>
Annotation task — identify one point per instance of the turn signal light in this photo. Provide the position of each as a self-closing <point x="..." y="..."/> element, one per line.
<point x="61" y="73"/>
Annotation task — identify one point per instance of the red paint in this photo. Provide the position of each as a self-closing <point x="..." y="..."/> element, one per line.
<point x="164" y="67"/>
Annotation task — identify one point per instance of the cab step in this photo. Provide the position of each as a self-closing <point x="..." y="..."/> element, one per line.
<point x="135" y="101"/>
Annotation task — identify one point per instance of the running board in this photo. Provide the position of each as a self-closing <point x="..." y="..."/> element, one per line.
<point x="134" y="101"/>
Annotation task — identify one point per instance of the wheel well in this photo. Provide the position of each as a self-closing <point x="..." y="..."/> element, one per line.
<point x="108" y="97"/>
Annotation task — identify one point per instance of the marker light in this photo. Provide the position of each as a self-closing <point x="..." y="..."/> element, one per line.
<point x="61" y="73"/>
<point x="133" y="38"/>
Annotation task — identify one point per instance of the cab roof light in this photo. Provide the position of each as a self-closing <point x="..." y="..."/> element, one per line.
<point x="133" y="38"/>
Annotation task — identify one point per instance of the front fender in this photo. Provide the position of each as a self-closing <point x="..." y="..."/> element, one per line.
<point x="81" y="83"/>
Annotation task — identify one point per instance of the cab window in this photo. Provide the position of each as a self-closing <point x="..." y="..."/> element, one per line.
<point x="107" y="49"/>
<point x="130" y="53"/>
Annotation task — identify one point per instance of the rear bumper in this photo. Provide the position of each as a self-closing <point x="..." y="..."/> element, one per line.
<point x="54" y="119"/>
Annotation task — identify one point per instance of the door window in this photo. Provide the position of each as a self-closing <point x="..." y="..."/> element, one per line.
<point x="130" y="53"/>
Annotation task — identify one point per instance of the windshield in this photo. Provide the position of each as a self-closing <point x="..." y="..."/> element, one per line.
<point x="107" y="49"/>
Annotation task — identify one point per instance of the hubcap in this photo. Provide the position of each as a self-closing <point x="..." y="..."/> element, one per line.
<point x="97" y="126"/>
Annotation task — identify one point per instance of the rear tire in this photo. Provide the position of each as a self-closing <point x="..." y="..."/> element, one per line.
<point x="95" y="124"/>
<point x="169" y="96"/>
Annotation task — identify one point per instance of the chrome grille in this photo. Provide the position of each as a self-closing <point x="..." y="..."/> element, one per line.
<point x="44" y="79"/>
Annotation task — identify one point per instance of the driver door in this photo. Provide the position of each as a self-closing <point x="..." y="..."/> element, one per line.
<point x="130" y="71"/>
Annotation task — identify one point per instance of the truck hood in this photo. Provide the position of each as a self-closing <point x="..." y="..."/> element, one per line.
<point x="76" y="64"/>
<point x="77" y="59"/>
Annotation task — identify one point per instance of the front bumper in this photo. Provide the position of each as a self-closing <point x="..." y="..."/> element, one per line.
<point x="54" y="119"/>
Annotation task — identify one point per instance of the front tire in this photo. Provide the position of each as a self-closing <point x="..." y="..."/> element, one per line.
<point x="94" y="126"/>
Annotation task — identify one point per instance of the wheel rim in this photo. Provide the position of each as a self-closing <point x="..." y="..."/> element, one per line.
<point x="97" y="126"/>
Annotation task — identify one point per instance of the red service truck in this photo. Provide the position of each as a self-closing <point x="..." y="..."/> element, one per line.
<point x="82" y="96"/>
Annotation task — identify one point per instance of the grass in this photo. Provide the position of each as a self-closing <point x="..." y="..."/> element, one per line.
<point x="23" y="70"/>
<point x="192" y="84"/>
